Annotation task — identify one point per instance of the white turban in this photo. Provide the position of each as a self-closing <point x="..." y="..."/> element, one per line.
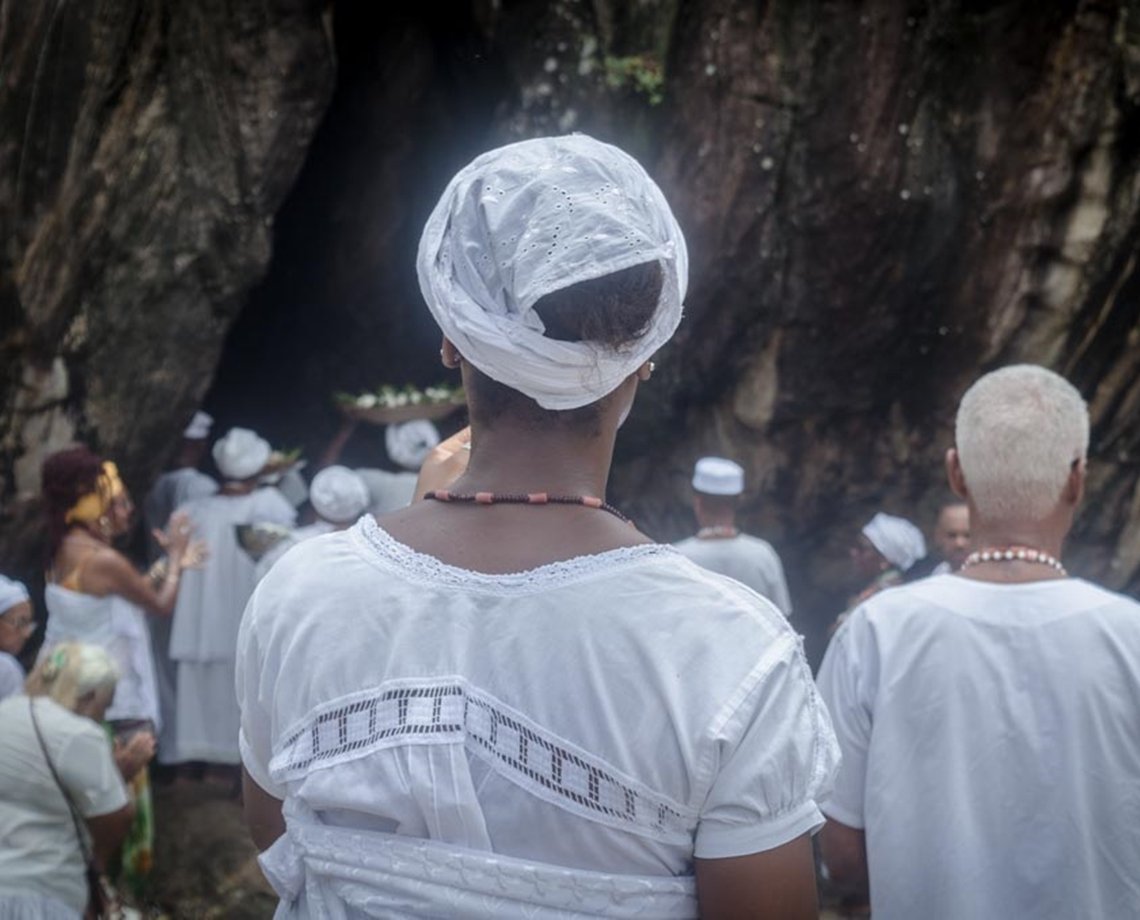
<point x="896" y="539"/>
<point x="199" y="427"/>
<point x="532" y="218"/>
<point x="338" y="494"/>
<point x="12" y="592"/>
<point x="409" y="444"/>
<point x="241" y="454"/>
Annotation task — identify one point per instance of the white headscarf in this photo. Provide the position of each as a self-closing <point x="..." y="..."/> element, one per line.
<point x="241" y="454"/>
<point x="531" y="218"/>
<point x="12" y="592"/>
<point x="199" y="427"/>
<point x="338" y="494"/>
<point x="897" y="539"/>
<point x="408" y="444"/>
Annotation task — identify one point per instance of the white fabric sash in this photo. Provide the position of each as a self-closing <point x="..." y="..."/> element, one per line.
<point x="336" y="873"/>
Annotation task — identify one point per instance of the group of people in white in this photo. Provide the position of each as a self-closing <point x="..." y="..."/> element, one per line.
<point x="500" y="699"/>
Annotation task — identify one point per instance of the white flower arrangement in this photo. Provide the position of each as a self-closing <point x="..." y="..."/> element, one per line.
<point x="389" y="397"/>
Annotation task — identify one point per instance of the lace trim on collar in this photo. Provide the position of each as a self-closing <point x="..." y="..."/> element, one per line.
<point x="425" y="568"/>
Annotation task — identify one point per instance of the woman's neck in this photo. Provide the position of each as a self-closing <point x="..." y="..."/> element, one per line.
<point x="514" y="460"/>
<point x="1045" y="537"/>
<point x="86" y="535"/>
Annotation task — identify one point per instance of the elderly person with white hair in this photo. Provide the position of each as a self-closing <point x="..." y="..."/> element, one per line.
<point x="63" y="804"/>
<point x="204" y="632"/>
<point x="16" y="624"/>
<point x="504" y="700"/>
<point x="988" y="719"/>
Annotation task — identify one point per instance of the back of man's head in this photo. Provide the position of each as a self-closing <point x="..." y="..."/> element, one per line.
<point x="1019" y="431"/>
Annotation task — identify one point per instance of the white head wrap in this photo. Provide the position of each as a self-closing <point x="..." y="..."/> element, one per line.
<point x="408" y="444"/>
<point x="718" y="476"/>
<point x="241" y="454"/>
<point x="338" y="494"/>
<point x="532" y="218"/>
<point x="897" y="539"/>
<point x="199" y="427"/>
<point x="12" y="592"/>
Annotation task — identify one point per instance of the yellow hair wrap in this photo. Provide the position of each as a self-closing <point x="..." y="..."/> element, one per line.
<point x="94" y="505"/>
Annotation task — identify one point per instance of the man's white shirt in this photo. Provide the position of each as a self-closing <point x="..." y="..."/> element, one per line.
<point x="991" y="748"/>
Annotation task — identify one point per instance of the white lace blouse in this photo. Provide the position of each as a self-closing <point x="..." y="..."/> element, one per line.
<point x="619" y="713"/>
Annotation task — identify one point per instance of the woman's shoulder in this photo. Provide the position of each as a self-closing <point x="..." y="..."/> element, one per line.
<point x="58" y="723"/>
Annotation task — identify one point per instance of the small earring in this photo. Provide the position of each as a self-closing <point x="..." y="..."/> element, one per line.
<point x="652" y="366"/>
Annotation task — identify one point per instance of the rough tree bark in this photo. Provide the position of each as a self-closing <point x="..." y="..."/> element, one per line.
<point x="881" y="201"/>
<point x="144" y="150"/>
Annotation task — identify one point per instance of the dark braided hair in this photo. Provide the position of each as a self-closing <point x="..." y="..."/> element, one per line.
<point x="67" y="476"/>
<point x="615" y="310"/>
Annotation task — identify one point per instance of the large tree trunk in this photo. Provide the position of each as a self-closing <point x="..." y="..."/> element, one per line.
<point x="881" y="202"/>
<point x="144" y="150"/>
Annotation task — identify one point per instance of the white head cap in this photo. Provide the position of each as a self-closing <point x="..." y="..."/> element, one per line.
<point x="896" y="539"/>
<point x="408" y="444"/>
<point x="12" y="592"/>
<point x="338" y="494"/>
<point x="531" y="218"/>
<point x="241" y="454"/>
<point x="199" y="427"/>
<point x="717" y="476"/>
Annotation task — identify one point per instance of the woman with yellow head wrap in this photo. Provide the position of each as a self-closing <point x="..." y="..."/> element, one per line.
<point x="94" y="594"/>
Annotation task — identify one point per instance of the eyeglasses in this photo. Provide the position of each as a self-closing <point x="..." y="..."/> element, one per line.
<point x="23" y="625"/>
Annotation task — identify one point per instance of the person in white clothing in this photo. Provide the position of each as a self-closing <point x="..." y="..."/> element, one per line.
<point x="171" y="490"/>
<point x="181" y="484"/>
<point x="988" y="719"/>
<point x="719" y="547"/>
<point x="503" y="700"/>
<point x="16" y="625"/>
<point x="54" y="752"/>
<point x="203" y="636"/>
<point x="95" y="595"/>
<point x="338" y="496"/>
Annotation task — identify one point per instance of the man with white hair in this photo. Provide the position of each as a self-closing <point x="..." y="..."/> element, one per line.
<point x="719" y="547"/>
<point x="210" y="603"/>
<point x="988" y="719"/>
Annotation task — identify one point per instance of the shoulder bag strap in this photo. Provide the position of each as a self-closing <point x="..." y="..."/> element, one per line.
<point x="75" y="816"/>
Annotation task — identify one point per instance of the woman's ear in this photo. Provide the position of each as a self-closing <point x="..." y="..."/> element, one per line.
<point x="449" y="354"/>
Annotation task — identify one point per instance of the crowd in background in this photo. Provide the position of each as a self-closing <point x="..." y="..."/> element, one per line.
<point x="486" y="689"/>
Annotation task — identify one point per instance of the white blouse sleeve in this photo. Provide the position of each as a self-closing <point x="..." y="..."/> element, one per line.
<point x="845" y="679"/>
<point x="776" y="756"/>
<point x="255" y="737"/>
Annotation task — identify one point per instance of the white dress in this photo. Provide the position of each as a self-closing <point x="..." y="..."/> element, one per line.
<point x="41" y="865"/>
<point x="204" y="632"/>
<point x="172" y="489"/>
<point x="118" y="626"/>
<point x="991" y="748"/>
<point x="749" y="560"/>
<point x="556" y="743"/>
